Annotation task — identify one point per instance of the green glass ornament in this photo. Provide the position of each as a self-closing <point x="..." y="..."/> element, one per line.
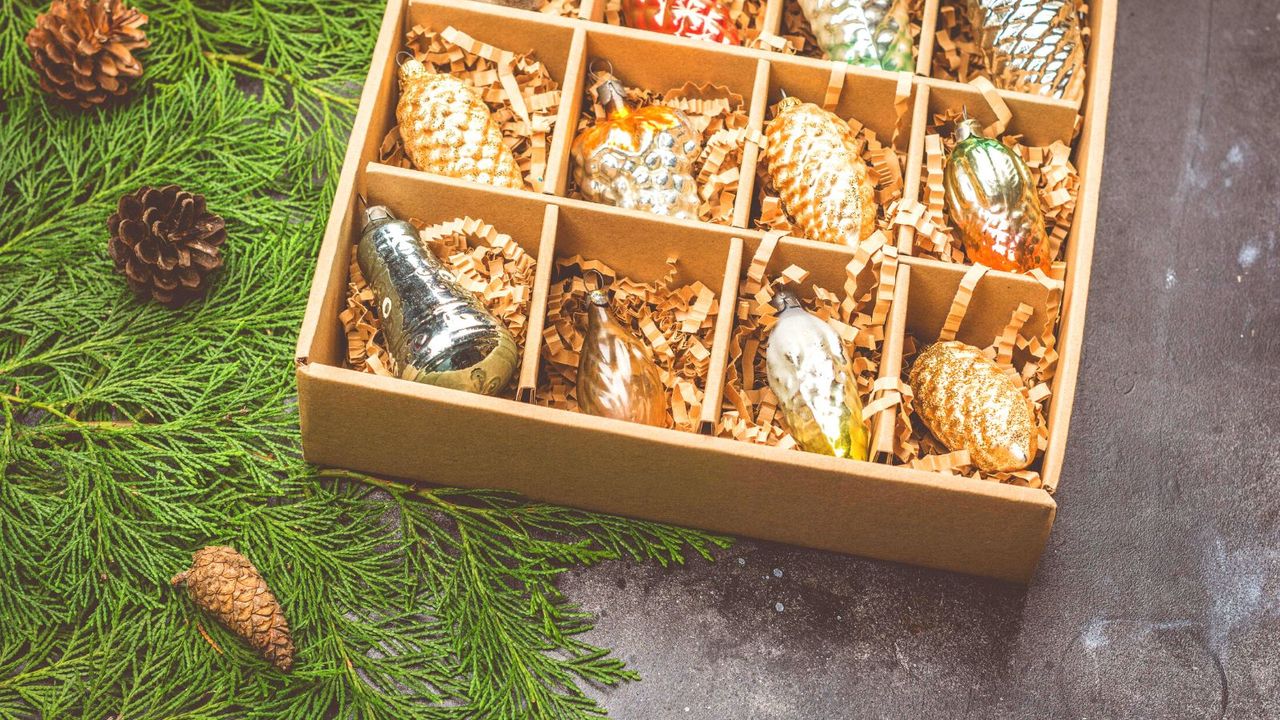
<point x="874" y="33"/>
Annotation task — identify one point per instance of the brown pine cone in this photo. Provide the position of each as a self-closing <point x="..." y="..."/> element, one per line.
<point x="225" y="584"/>
<point x="165" y="242"/>
<point x="82" y="50"/>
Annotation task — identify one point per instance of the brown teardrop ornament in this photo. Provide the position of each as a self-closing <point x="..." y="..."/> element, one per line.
<point x="617" y="377"/>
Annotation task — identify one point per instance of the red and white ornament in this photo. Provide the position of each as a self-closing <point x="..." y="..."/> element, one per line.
<point x="697" y="19"/>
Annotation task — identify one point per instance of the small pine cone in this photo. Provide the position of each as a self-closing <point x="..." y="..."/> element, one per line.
<point x="82" y="50"/>
<point x="165" y="242"/>
<point x="224" y="583"/>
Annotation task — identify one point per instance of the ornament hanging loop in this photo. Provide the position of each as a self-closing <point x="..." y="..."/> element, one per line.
<point x="597" y="286"/>
<point x="594" y="280"/>
<point x="599" y="67"/>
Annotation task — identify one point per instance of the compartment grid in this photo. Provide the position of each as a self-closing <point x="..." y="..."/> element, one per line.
<point x="1037" y="118"/>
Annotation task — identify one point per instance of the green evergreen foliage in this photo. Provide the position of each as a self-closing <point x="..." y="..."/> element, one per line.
<point x="131" y="435"/>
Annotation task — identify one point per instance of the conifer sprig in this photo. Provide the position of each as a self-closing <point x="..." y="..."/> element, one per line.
<point x="131" y="435"/>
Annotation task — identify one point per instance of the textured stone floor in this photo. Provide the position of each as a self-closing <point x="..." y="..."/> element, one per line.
<point x="1159" y="595"/>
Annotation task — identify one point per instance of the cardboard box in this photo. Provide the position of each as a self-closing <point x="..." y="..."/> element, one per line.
<point x="393" y="427"/>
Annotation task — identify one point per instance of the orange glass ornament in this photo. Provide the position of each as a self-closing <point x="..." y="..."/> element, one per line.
<point x="639" y="158"/>
<point x="617" y="377"/>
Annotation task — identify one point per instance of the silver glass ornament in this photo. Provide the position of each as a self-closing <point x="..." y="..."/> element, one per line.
<point x="1031" y="46"/>
<point x="875" y="33"/>
<point x="815" y="385"/>
<point x="437" y="331"/>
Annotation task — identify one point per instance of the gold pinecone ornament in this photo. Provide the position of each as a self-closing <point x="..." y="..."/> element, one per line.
<point x="969" y="403"/>
<point x="82" y="50"/>
<point x="166" y="242"/>
<point x="225" y="584"/>
<point x="814" y="166"/>
<point x="448" y="130"/>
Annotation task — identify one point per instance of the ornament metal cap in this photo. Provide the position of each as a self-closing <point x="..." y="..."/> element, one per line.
<point x="967" y="127"/>
<point x="786" y="103"/>
<point x="785" y="299"/>
<point x="612" y="96"/>
<point x="411" y="68"/>
<point x="377" y="215"/>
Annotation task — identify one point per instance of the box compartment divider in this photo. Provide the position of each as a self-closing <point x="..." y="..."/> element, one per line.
<point x="772" y="24"/>
<point x="885" y="424"/>
<point x="571" y="92"/>
<point x="725" y="321"/>
<point x="911" y="187"/>
<point x="528" y="389"/>
<point x="745" y="202"/>
<point x="928" y="40"/>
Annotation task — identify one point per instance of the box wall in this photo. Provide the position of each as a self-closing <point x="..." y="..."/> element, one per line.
<point x="893" y="513"/>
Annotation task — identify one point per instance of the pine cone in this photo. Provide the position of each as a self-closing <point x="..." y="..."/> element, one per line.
<point x="224" y="583"/>
<point x="165" y="242"/>
<point x="82" y="50"/>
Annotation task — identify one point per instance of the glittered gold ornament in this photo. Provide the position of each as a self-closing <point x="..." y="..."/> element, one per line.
<point x="438" y="332"/>
<point x="969" y="403"/>
<point x="639" y="158"/>
<point x="815" y="386"/>
<point x="1031" y="46"/>
<point x="873" y="33"/>
<point x="225" y="584"/>
<point x="992" y="200"/>
<point x="814" y="166"/>
<point x="617" y="377"/>
<point x="447" y="129"/>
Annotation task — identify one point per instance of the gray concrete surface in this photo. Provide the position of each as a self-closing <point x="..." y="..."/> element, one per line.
<point x="1159" y="596"/>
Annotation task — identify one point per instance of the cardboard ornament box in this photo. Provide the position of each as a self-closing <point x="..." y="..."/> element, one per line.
<point x="882" y="508"/>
